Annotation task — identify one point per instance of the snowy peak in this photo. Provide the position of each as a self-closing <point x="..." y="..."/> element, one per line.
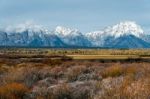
<point x="64" y="31"/>
<point x="71" y="37"/>
<point x="125" y="28"/>
<point x="118" y="30"/>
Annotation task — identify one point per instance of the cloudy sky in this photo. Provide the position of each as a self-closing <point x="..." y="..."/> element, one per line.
<point x="86" y="15"/>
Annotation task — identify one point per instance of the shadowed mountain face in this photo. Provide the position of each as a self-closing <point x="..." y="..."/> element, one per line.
<point x="128" y="41"/>
<point x="123" y="35"/>
<point x="37" y="39"/>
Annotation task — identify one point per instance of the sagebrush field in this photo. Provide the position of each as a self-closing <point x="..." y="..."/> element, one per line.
<point x="74" y="74"/>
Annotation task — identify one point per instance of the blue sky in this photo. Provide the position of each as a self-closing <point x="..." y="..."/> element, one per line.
<point x="86" y="15"/>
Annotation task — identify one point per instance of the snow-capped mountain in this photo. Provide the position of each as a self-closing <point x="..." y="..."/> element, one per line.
<point x="123" y="35"/>
<point x="124" y="28"/>
<point x="29" y="35"/>
<point x="64" y="31"/>
<point x="72" y="37"/>
<point x="110" y="35"/>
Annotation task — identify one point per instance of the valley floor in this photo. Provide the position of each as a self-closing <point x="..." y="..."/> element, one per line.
<point x="43" y="74"/>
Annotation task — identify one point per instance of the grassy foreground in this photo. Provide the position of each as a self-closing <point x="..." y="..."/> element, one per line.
<point x="54" y="74"/>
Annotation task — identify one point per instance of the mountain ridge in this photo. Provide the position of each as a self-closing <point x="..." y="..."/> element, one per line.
<point x="36" y="35"/>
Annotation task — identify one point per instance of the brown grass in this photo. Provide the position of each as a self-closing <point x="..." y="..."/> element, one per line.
<point x="13" y="91"/>
<point x="112" y="71"/>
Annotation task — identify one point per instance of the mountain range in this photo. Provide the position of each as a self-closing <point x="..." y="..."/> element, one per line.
<point x="126" y="34"/>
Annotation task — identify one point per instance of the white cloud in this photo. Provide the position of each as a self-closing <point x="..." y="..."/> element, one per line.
<point x="28" y="25"/>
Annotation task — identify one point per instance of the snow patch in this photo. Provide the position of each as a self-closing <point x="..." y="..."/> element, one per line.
<point x="125" y="28"/>
<point x="64" y="31"/>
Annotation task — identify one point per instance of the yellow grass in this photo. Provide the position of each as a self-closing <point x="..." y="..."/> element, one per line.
<point x="103" y="56"/>
<point x="112" y="71"/>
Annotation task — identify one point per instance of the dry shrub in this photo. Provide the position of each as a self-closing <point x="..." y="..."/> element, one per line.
<point x="110" y="88"/>
<point x="128" y="79"/>
<point x="57" y="72"/>
<point x="13" y="91"/>
<point x="138" y="89"/>
<point x="62" y="91"/>
<point x="4" y="69"/>
<point x="130" y="70"/>
<point x="117" y="70"/>
<point x="74" y="72"/>
<point x="27" y="75"/>
<point x="77" y="90"/>
<point x="58" y="91"/>
<point x="129" y="89"/>
<point x="84" y="90"/>
<point x="145" y="69"/>
<point x="112" y="71"/>
<point x="39" y="92"/>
